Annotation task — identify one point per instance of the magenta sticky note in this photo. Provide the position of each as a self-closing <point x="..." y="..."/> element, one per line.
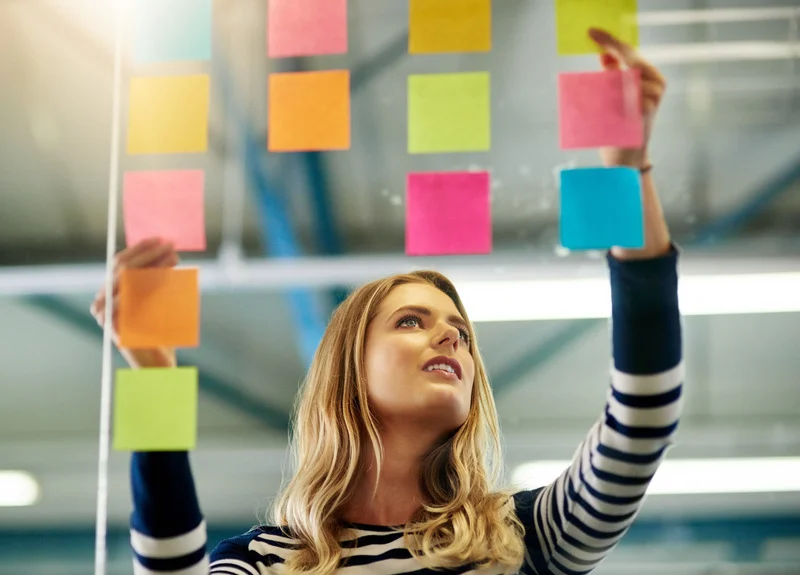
<point x="599" y="109"/>
<point x="165" y="204"/>
<point x="448" y="213"/>
<point x="306" y="28"/>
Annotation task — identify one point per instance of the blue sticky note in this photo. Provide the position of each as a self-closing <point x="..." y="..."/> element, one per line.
<point x="171" y="30"/>
<point x="601" y="208"/>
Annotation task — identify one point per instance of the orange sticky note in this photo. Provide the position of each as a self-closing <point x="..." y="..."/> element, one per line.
<point x="438" y="26"/>
<point x="309" y="111"/>
<point x="159" y="307"/>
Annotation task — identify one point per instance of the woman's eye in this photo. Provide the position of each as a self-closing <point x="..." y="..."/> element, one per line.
<point x="464" y="335"/>
<point x="409" y="322"/>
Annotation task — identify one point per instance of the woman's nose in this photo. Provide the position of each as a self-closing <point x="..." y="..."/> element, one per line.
<point x="449" y="337"/>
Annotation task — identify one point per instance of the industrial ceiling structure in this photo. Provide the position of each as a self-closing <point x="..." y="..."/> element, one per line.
<point x="289" y="234"/>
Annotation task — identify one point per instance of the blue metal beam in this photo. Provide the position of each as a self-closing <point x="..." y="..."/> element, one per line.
<point x="276" y="224"/>
<point x="225" y="392"/>
<point x="310" y="314"/>
<point x="734" y="221"/>
<point x="543" y="353"/>
<point x="328" y="239"/>
<point x="387" y="57"/>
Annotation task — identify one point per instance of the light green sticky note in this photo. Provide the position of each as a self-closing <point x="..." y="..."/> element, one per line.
<point x="449" y="113"/>
<point x="155" y="409"/>
<point x="575" y="17"/>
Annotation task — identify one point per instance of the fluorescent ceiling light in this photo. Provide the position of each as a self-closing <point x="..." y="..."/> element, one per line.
<point x="18" y="489"/>
<point x="680" y="17"/>
<point x="720" y="51"/>
<point x="529" y="300"/>
<point x="692" y="476"/>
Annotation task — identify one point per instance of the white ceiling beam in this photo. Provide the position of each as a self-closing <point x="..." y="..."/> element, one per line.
<point x="326" y="272"/>
<point x="715" y="15"/>
<point x="721" y="52"/>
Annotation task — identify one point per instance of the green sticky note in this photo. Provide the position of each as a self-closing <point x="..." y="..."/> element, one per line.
<point x="575" y="17"/>
<point x="155" y="409"/>
<point x="449" y="113"/>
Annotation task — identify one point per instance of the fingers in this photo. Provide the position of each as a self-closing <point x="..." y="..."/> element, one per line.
<point x="168" y="260"/>
<point x="98" y="309"/>
<point x="136" y="250"/>
<point x="626" y="54"/>
<point x="610" y="62"/>
<point x="613" y="45"/>
<point x="148" y="253"/>
<point x="652" y="93"/>
<point x="98" y="305"/>
<point x="145" y="257"/>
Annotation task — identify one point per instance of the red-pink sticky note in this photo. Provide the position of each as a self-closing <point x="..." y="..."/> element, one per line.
<point x="448" y="213"/>
<point x="306" y="28"/>
<point x="165" y="204"/>
<point x="598" y="109"/>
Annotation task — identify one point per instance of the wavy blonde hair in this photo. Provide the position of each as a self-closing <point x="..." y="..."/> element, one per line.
<point x="464" y="520"/>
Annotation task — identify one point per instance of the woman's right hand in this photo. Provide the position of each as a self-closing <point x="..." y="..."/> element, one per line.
<point x="146" y="254"/>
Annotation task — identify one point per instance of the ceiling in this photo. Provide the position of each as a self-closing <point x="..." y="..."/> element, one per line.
<point x="727" y="157"/>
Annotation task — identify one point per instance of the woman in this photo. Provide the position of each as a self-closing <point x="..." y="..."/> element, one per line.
<point x="396" y="436"/>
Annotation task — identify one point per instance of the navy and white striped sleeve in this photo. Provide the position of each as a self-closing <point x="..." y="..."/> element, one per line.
<point x="575" y="522"/>
<point x="234" y="557"/>
<point x="168" y="533"/>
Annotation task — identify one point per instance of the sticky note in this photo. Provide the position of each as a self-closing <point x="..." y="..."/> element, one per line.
<point x="159" y="307"/>
<point x="309" y="111"/>
<point x="599" y="109"/>
<point x="171" y="30"/>
<point x="437" y="26"/>
<point x="448" y="213"/>
<point x="306" y="28"/>
<point x="165" y="204"/>
<point x="601" y="208"/>
<point x="449" y="113"/>
<point x="575" y="17"/>
<point x="155" y="409"/>
<point x="168" y="114"/>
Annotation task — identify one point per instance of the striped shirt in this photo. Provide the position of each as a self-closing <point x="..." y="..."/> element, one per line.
<point x="570" y="525"/>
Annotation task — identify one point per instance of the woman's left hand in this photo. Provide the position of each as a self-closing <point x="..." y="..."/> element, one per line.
<point x="617" y="54"/>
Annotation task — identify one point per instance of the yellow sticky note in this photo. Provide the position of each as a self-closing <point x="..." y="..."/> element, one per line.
<point x="449" y="113"/>
<point x="155" y="409"/>
<point x="168" y="114"/>
<point x="437" y="26"/>
<point x="575" y="17"/>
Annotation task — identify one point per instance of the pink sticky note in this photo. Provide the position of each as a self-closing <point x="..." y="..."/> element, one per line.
<point x="448" y="213"/>
<point x="165" y="204"/>
<point x="306" y="28"/>
<point x="598" y="109"/>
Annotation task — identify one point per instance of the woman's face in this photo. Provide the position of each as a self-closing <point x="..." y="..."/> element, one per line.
<point x="418" y="362"/>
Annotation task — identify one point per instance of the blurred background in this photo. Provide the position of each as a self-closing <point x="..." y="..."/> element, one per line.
<point x="290" y="234"/>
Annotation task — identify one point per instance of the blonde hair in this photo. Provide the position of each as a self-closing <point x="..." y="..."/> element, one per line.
<point x="464" y="521"/>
